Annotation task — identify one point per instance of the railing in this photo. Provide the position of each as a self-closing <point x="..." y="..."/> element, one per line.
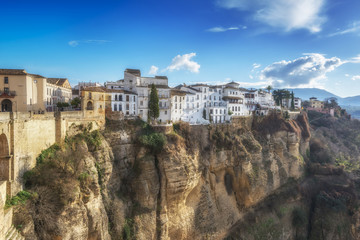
<point x="9" y="93"/>
<point x="89" y="108"/>
<point x="164" y="107"/>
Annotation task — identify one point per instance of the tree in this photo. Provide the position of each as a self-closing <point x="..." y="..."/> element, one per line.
<point x="62" y="104"/>
<point x="269" y="88"/>
<point x="306" y="104"/>
<point x="292" y="101"/>
<point x="76" y="102"/>
<point x="279" y="95"/>
<point x="331" y="102"/>
<point x="154" y="111"/>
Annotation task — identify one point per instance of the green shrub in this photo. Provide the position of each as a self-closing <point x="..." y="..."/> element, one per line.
<point x="47" y="153"/>
<point x="154" y="141"/>
<point x="19" y="198"/>
<point x="128" y="229"/>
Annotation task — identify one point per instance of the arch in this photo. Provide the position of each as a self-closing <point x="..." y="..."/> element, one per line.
<point x="89" y="105"/>
<point x="4" y="158"/>
<point x="6" y="105"/>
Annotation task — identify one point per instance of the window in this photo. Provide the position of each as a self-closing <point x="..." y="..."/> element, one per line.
<point x="120" y="98"/>
<point x="6" y="80"/>
<point x="165" y="112"/>
<point x="6" y="90"/>
<point x="141" y="103"/>
<point x="115" y="97"/>
<point x="175" y="105"/>
<point x="127" y="107"/>
<point x="115" y="107"/>
<point x="120" y="107"/>
<point x="175" y="98"/>
<point x="134" y="99"/>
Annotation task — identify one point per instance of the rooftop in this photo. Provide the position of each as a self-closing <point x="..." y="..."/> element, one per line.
<point x="61" y="82"/>
<point x="18" y="72"/>
<point x="135" y="72"/>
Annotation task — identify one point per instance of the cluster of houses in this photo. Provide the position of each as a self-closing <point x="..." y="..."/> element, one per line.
<point x="196" y="104"/>
<point x="129" y="97"/>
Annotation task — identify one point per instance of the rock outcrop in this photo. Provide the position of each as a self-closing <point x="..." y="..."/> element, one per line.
<point x="199" y="186"/>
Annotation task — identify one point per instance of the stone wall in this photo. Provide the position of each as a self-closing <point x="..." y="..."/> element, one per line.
<point x="22" y="138"/>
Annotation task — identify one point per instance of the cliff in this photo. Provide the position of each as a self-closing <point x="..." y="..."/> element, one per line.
<point x="132" y="181"/>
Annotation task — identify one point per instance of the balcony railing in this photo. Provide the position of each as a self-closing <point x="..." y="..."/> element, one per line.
<point x="8" y="93"/>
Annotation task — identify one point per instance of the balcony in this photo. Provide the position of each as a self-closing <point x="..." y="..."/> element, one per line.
<point x="8" y="93"/>
<point x="164" y="107"/>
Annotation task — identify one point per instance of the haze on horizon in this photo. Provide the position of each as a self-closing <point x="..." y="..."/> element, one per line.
<point x="283" y="43"/>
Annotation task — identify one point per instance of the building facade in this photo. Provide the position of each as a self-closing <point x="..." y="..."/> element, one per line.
<point x="57" y="90"/>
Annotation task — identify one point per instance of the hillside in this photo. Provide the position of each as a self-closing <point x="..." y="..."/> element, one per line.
<point x="306" y="93"/>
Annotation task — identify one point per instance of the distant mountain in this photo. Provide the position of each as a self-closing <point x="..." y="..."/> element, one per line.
<point x="352" y="101"/>
<point x="306" y="93"/>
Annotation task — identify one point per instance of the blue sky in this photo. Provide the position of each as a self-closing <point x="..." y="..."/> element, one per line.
<point x="285" y="43"/>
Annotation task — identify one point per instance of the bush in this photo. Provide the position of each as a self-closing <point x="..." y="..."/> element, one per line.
<point x="19" y="198"/>
<point x="154" y="141"/>
<point x="47" y="153"/>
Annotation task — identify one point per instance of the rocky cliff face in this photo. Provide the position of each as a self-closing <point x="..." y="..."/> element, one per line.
<point x="200" y="185"/>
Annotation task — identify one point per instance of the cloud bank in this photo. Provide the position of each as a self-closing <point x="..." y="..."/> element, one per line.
<point x="284" y="14"/>
<point x="184" y="62"/>
<point x="305" y="71"/>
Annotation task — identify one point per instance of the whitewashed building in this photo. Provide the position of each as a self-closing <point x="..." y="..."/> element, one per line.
<point x="124" y="101"/>
<point x="178" y="103"/>
<point x="57" y="90"/>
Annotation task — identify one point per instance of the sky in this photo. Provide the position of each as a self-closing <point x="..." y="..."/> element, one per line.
<point x="282" y="43"/>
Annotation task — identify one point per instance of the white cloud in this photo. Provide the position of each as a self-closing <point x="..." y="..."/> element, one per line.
<point x="355" y="59"/>
<point x="284" y="14"/>
<point x="347" y="75"/>
<point x="153" y="70"/>
<point x="255" y="66"/>
<point x="225" y="29"/>
<point x="355" y="78"/>
<point x="221" y="29"/>
<point x="184" y="62"/>
<point x="307" y="71"/>
<point x="354" y="28"/>
<point x="75" y="43"/>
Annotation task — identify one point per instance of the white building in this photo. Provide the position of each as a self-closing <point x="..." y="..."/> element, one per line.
<point x="124" y="101"/>
<point x="134" y="82"/>
<point x="286" y="103"/>
<point x="57" y="90"/>
<point x="178" y="104"/>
